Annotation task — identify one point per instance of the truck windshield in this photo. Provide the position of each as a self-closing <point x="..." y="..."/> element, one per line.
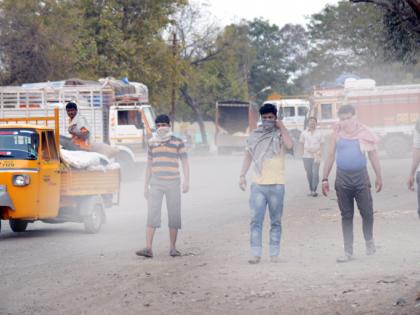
<point x="18" y="144"/>
<point x="130" y="118"/>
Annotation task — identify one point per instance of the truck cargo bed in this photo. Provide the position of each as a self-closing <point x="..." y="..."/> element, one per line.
<point x="84" y="182"/>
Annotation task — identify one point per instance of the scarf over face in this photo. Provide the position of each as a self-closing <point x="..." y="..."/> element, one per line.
<point x="264" y="143"/>
<point x="161" y="135"/>
<point x="352" y="129"/>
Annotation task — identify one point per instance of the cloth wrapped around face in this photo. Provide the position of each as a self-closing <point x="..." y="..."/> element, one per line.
<point x="352" y="129"/>
<point x="264" y="143"/>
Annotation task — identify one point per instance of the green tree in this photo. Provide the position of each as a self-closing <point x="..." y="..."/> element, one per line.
<point x="351" y="38"/>
<point x="401" y="19"/>
<point x="32" y="47"/>
<point x="124" y="38"/>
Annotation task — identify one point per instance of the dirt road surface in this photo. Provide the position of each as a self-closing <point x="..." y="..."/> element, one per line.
<point x="58" y="269"/>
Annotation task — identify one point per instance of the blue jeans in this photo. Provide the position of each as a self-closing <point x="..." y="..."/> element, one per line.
<point x="261" y="197"/>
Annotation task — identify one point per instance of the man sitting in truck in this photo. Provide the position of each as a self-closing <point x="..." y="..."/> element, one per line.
<point x="78" y="128"/>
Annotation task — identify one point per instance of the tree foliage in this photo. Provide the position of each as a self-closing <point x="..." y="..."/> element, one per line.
<point x="401" y="20"/>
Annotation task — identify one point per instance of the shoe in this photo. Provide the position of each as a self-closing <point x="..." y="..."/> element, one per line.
<point x="370" y="248"/>
<point x="314" y="194"/>
<point x="346" y="258"/>
<point x="174" y="253"/>
<point x="145" y="252"/>
<point x="254" y="260"/>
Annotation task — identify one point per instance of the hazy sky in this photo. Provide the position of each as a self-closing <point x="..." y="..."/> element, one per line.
<point x="278" y="12"/>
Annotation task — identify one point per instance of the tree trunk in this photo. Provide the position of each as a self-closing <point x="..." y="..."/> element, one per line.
<point x="196" y="109"/>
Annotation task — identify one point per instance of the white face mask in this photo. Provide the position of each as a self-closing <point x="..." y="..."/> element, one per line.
<point x="268" y="124"/>
<point x="163" y="131"/>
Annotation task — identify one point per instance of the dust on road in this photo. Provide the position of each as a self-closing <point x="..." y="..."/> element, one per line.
<point x="58" y="269"/>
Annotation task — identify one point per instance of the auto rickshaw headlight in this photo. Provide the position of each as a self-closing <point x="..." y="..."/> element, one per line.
<point x="21" y="180"/>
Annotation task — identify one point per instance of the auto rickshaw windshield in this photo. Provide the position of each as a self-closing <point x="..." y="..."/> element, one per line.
<point x="18" y="144"/>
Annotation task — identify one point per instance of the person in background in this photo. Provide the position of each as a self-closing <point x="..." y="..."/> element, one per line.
<point x="163" y="179"/>
<point x="78" y="128"/>
<point x="265" y="149"/>
<point x="415" y="166"/>
<point x="311" y="145"/>
<point x="349" y="144"/>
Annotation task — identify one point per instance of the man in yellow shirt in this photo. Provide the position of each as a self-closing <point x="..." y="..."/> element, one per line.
<point x="265" y="149"/>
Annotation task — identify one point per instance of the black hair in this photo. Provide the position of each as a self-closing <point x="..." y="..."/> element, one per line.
<point x="313" y="118"/>
<point x="71" y="105"/>
<point x="268" y="108"/>
<point x="163" y="119"/>
<point x="346" y="109"/>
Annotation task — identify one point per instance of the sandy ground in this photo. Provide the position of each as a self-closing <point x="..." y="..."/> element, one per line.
<point x="58" y="269"/>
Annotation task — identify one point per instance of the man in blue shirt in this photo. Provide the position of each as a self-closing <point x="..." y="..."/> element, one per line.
<point x="349" y="145"/>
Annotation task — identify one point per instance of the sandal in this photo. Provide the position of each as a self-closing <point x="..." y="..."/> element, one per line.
<point x="145" y="252"/>
<point x="174" y="253"/>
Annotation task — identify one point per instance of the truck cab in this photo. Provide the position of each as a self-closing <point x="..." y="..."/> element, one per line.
<point x="35" y="184"/>
<point x="30" y="181"/>
<point x="130" y="125"/>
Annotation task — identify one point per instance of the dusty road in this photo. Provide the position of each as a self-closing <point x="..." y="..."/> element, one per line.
<point x="58" y="269"/>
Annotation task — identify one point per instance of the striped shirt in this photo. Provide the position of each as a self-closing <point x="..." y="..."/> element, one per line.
<point x="164" y="158"/>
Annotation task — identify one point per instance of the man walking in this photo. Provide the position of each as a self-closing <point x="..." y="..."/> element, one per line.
<point x="163" y="179"/>
<point x="265" y="149"/>
<point x="415" y="165"/>
<point x="311" y="144"/>
<point x="349" y="144"/>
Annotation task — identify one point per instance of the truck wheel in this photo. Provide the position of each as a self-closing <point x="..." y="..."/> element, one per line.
<point x="397" y="146"/>
<point x="93" y="222"/>
<point x="18" y="226"/>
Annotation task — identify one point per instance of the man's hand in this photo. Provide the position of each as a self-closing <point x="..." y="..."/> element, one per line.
<point x="242" y="183"/>
<point x="325" y="188"/>
<point x="185" y="187"/>
<point x="378" y="184"/>
<point x="146" y="192"/>
<point x="72" y="129"/>
<point x="279" y="124"/>
<point x="410" y="183"/>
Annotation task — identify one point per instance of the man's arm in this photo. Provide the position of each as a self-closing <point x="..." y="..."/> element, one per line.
<point x="245" y="167"/>
<point x="186" y="172"/>
<point x="374" y="160"/>
<point x="147" y="177"/>
<point x="287" y="140"/>
<point x="414" y="166"/>
<point x="329" y="162"/>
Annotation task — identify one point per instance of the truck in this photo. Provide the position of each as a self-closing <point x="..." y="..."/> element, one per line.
<point x="293" y="111"/>
<point x="119" y="113"/>
<point x="234" y="121"/>
<point x="390" y="111"/>
<point x="35" y="183"/>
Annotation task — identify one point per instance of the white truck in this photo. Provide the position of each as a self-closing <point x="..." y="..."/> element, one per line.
<point x="119" y="116"/>
<point x="293" y="111"/>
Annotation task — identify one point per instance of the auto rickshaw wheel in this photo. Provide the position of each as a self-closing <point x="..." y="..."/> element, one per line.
<point x="93" y="222"/>
<point x="18" y="226"/>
